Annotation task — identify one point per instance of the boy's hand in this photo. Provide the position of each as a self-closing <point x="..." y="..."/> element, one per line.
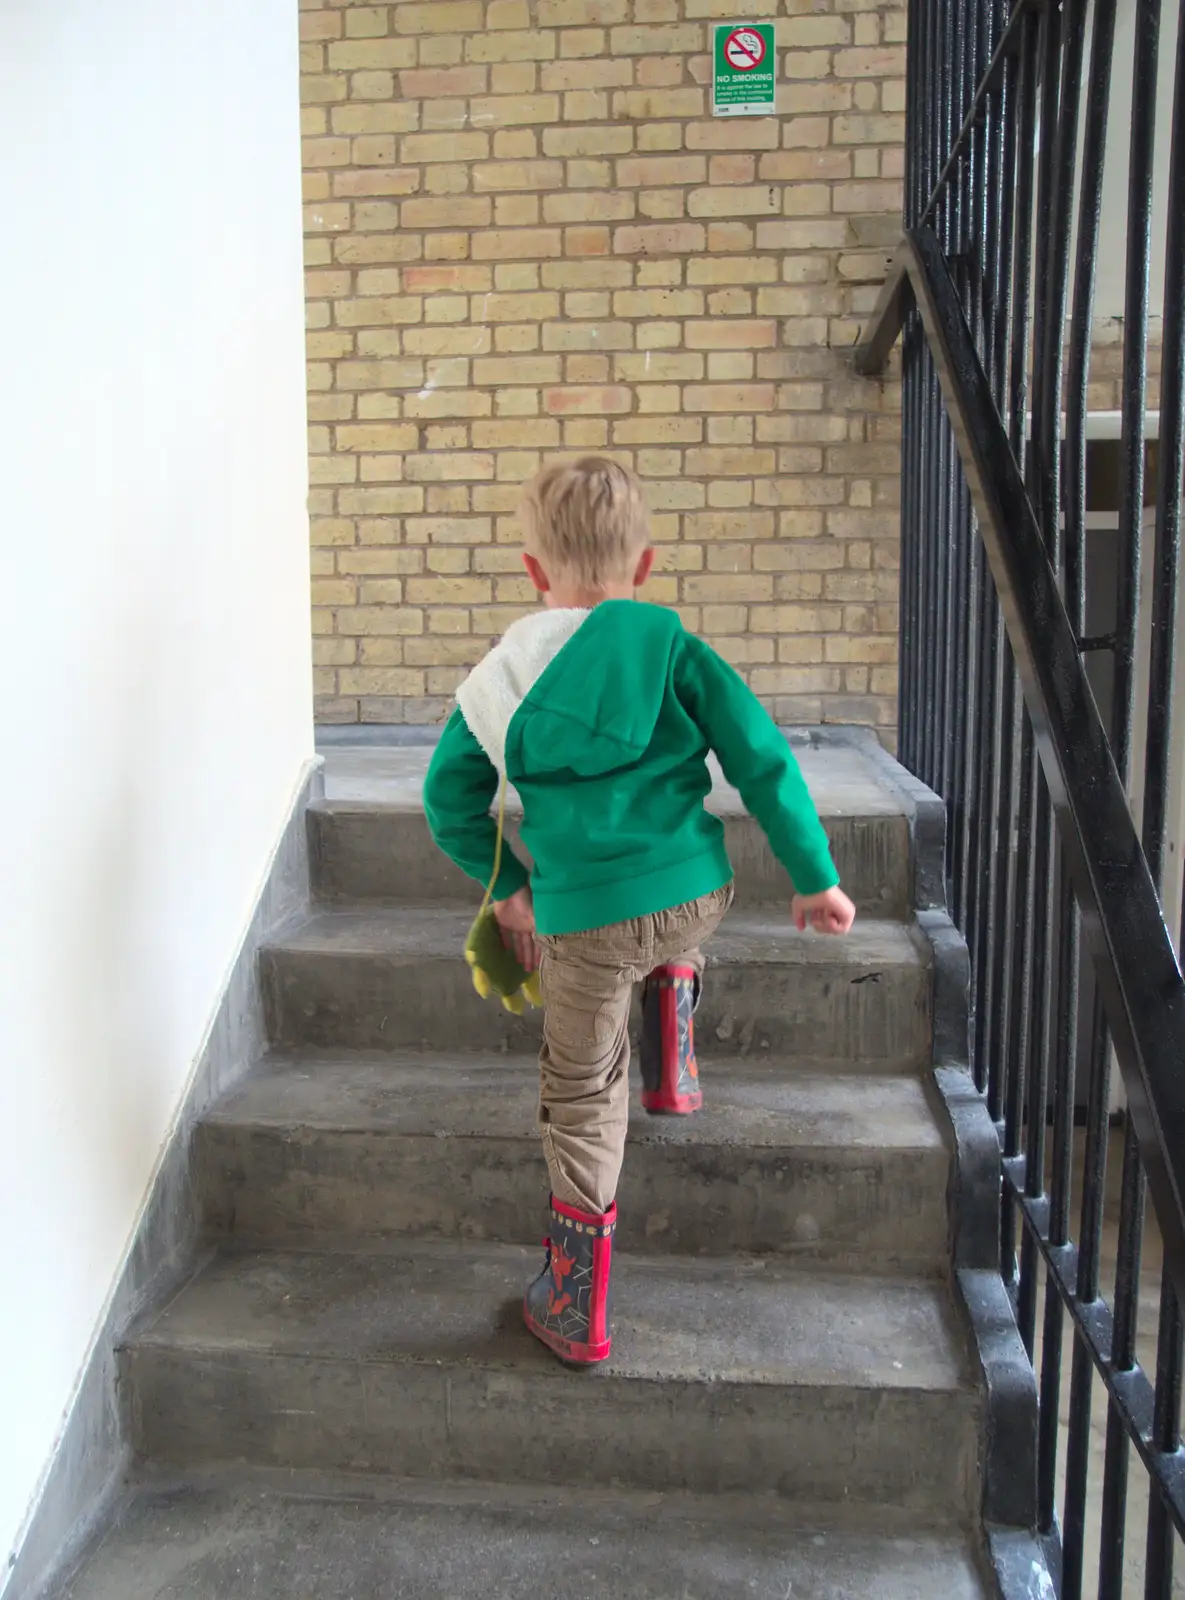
<point x="829" y="912"/>
<point x="516" y="919"/>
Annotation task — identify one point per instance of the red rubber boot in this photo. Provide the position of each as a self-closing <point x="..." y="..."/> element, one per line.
<point x="670" y="1076"/>
<point x="567" y="1307"/>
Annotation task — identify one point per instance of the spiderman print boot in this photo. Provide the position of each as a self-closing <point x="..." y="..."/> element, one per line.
<point x="567" y="1306"/>
<point x="670" y="1077"/>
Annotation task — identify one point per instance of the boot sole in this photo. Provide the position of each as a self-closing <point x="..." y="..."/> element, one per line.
<point x="685" y="1106"/>
<point x="577" y="1356"/>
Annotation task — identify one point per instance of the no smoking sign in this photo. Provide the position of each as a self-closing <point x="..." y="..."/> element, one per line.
<point x="743" y="76"/>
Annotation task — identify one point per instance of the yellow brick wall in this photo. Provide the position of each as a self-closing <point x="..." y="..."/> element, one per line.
<point x="528" y="237"/>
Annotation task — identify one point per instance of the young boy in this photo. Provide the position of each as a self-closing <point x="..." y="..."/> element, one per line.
<point x="602" y="710"/>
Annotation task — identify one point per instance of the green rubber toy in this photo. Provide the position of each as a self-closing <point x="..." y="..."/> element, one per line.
<point x="495" y="969"/>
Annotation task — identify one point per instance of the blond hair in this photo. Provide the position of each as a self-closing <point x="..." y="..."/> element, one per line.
<point x="586" y="519"/>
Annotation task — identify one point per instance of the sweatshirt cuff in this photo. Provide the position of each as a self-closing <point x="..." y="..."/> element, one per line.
<point x="815" y="876"/>
<point x="512" y="877"/>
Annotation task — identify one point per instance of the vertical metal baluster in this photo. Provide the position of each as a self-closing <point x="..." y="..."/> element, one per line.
<point x="1021" y="157"/>
<point x="948" y="89"/>
<point x="1166" y="1436"/>
<point x="1060" y="935"/>
<point x="1094" y="1176"/>
<point x="933" y="431"/>
<point x="981" y="902"/>
<point x="1043" y="475"/>
<point x="910" y="421"/>
<point x="996" y="988"/>
<point x="1131" y="515"/>
<point x="1020" y="869"/>
<point x="963" y="684"/>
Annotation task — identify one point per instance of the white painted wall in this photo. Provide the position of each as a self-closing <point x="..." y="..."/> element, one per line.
<point x="154" y="649"/>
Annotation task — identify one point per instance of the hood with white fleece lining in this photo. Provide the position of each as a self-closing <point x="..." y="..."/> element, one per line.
<point x="498" y="685"/>
<point x="572" y="691"/>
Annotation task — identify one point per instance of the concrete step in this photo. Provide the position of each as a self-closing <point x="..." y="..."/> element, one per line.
<point x="380" y="978"/>
<point x="369" y="840"/>
<point x="240" y="1538"/>
<point x="846" y="1169"/>
<point x="727" y="1376"/>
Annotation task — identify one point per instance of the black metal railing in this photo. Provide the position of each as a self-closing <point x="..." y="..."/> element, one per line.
<point x="1056" y="890"/>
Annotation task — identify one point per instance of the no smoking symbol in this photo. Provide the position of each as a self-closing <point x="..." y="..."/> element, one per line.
<point x="744" y="49"/>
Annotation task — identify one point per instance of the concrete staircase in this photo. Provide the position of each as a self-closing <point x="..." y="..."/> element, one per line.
<point x="342" y="1399"/>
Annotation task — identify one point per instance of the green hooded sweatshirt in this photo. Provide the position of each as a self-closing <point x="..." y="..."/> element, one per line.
<point x="603" y="721"/>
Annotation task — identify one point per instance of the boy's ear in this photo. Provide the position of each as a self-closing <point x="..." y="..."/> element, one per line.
<point x="642" y="572"/>
<point x="536" y="573"/>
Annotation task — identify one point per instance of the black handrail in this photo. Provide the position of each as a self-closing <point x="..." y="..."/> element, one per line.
<point x="1143" y="989"/>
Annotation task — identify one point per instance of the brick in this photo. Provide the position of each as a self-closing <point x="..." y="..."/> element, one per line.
<point x="321" y="90"/>
<point x="517" y="432"/>
<point x="725" y="463"/>
<point x="326" y="218"/>
<point x="465" y="340"/>
<point x="659" y="303"/>
<point x="516" y="276"/>
<point x="585" y="207"/>
<point x="439" y="16"/>
<point x="587" y="141"/>
<point x="732" y="270"/>
<point x="330" y="152"/>
<point x="433" y="82"/>
<point x="377" y="437"/>
<point x="366" y="22"/>
<point x="801" y="166"/>
<point x="506" y="175"/>
<point x="885" y="196"/>
<point x="659" y="367"/>
<point x="458" y="146"/>
<point x="811" y="32"/>
<point x="355" y="120"/>
<point x="372" y="55"/>
<point x="376" y="181"/>
<point x="730" y="335"/>
<point x="320" y="25"/>
<point x="868" y="129"/>
<point x="508" y="111"/>
<point x="590" y="401"/>
<point x="587" y="274"/>
<point x="581" y="13"/>
<point x="586" y="242"/>
<point x="658" y="430"/>
<point x="499" y="245"/>
<point x="518" y="370"/>
<point x="511" y="46"/>
<point x="662" y="204"/>
<point x="379" y="311"/>
<point x="582" y="75"/>
<point x="885" y="62"/>
<point x="452" y="211"/>
<point x="647" y="170"/>
<point x="672" y="239"/>
<point x="651" y="105"/>
<point x="516" y="211"/>
<point x="460" y="276"/>
<point x="596" y="336"/>
<point x="726" y="397"/>
<point x="718" y="586"/>
<point x="740" y="201"/>
<point x="635" y="41"/>
<point x="508" y="14"/>
<point x="434" y="404"/>
<point x="822" y="234"/>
